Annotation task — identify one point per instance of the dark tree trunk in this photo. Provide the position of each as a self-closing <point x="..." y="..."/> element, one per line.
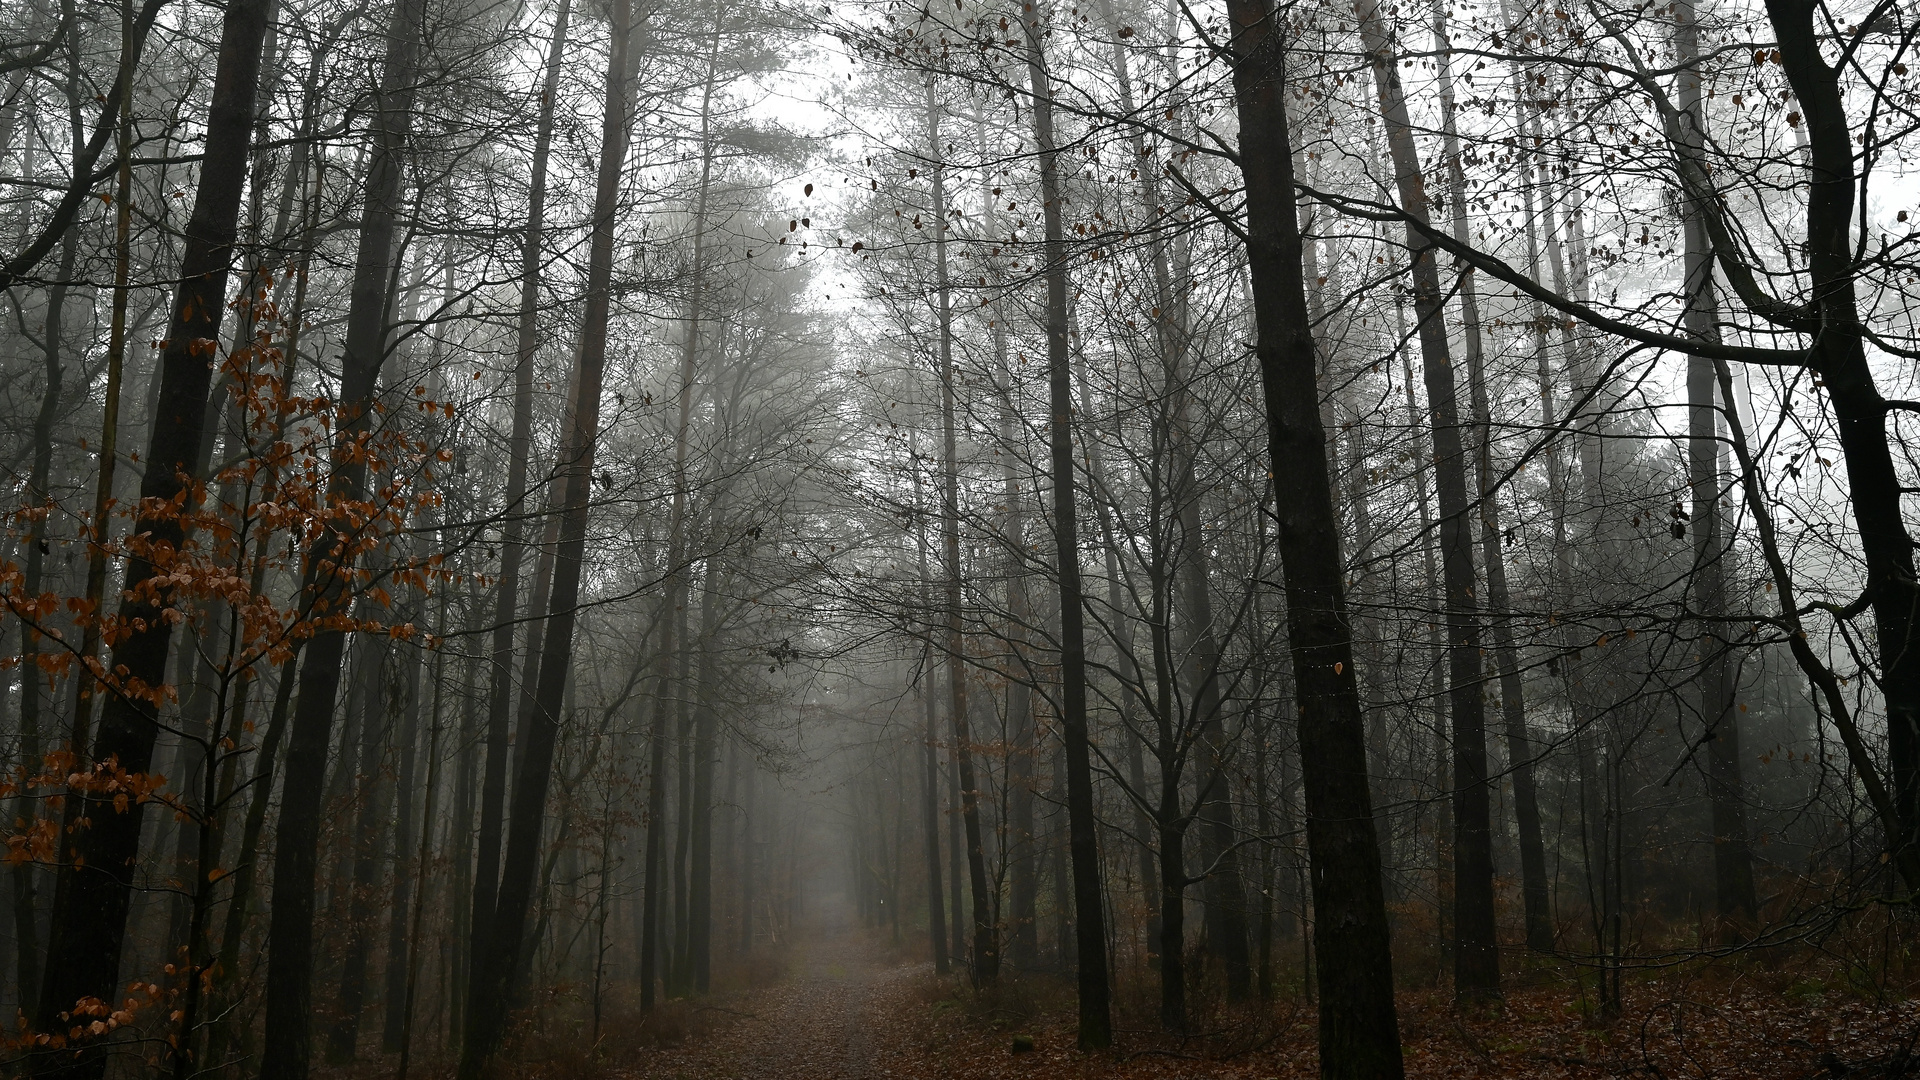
<point x="88" y="931"/>
<point x="930" y="792"/>
<point x="1359" y="1030"/>
<point x="956" y="925"/>
<point x="26" y="876"/>
<point x="497" y="966"/>
<point x="1173" y="905"/>
<point x="1734" y="895"/>
<point x="1023" y="853"/>
<point x="705" y="734"/>
<point x="1535" y="896"/>
<point x="287" y="1051"/>
<point x="500" y="696"/>
<point x="930" y="813"/>
<point x="1476" y="955"/>
<point x="1263" y="823"/>
<point x="400" y="957"/>
<point x="1838" y="354"/>
<point x="1089" y="917"/>
<point x="749" y="851"/>
<point x="1131" y="688"/>
<point x="678" y="973"/>
<point x="986" y="934"/>
<point x="656" y="821"/>
<point x="370" y="792"/>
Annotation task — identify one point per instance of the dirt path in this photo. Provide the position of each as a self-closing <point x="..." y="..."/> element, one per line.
<point x="816" y="1025"/>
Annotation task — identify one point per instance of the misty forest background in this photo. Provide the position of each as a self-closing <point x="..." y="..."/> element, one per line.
<point x="514" y="512"/>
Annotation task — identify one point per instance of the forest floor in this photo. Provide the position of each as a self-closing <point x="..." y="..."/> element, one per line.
<point x="850" y="1008"/>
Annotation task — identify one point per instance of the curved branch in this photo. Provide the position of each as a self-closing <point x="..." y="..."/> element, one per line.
<point x="83" y="179"/>
<point x="1498" y="268"/>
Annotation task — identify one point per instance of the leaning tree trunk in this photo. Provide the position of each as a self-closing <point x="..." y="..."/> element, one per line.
<point x="500" y="697"/>
<point x="496" y="966"/>
<point x="287" y="1050"/>
<point x="1476" y="956"/>
<point x="1359" y="1030"/>
<point x="88" y="932"/>
<point x="1839" y="355"/>
<point x="1534" y="889"/>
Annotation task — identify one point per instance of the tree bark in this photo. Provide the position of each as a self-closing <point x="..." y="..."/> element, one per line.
<point x="930" y="779"/>
<point x="705" y="735"/>
<point x="1734" y="896"/>
<point x="94" y="886"/>
<point x="986" y="934"/>
<point x="1359" y="1031"/>
<point x="500" y="697"/>
<point x="33" y="688"/>
<point x="1536" y="899"/>
<point x="1476" y="957"/>
<point x="400" y="958"/>
<point x="369" y="794"/>
<point x="495" y="968"/>
<point x="1089" y="916"/>
<point x="287" y="1047"/>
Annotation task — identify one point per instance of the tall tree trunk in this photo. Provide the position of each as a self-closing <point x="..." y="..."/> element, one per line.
<point x="1131" y="687"/>
<point x="678" y="974"/>
<point x="1735" y="901"/>
<point x="247" y="857"/>
<point x="657" y="955"/>
<point x="1023" y="854"/>
<point x="1089" y="913"/>
<point x="1476" y="957"/>
<point x="1170" y="336"/>
<point x="655" y="852"/>
<point x="1534" y="889"/>
<point x="1225" y="912"/>
<point x="956" y="848"/>
<point x="749" y="850"/>
<point x="1838" y="354"/>
<point x="88" y="932"/>
<point x="33" y="681"/>
<point x="412" y="938"/>
<point x="930" y="779"/>
<point x="1431" y="599"/>
<point x="287" y="1051"/>
<point x="500" y="697"/>
<point x="400" y="958"/>
<point x="373" y="667"/>
<point x="86" y="684"/>
<point x="986" y="934"/>
<point x="1359" y="1031"/>
<point x="495" y="968"/>
<point x="705" y="734"/>
<point x="930" y="812"/>
<point x="1358" y="553"/>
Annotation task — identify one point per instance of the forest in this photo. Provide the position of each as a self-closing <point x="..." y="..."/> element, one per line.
<point x="835" y="538"/>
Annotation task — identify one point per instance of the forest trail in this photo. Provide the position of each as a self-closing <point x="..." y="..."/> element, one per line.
<point x="816" y="1024"/>
<point x="850" y="1009"/>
